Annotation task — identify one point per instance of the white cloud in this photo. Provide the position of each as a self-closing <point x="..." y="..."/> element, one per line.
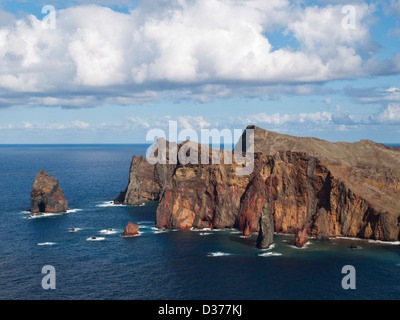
<point x="283" y="119"/>
<point x="388" y="115"/>
<point x="192" y="122"/>
<point x="56" y="126"/>
<point x="180" y="46"/>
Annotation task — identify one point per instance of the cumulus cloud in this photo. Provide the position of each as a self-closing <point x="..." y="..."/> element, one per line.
<point x="179" y="46"/>
<point x="388" y="115"/>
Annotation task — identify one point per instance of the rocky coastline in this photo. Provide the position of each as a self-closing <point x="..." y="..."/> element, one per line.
<point x="302" y="186"/>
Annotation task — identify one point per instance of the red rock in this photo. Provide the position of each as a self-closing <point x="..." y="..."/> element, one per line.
<point x="336" y="189"/>
<point x="131" y="230"/>
<point x="301" y="237"/>
<point x="46" y="195"/>
<point x="246" y="231"/>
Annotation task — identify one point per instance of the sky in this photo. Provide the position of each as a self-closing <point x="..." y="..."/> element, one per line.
<point x="110" y="71"/>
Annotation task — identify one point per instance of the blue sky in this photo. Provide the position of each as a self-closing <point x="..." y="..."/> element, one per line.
<point x="111" y="71"/>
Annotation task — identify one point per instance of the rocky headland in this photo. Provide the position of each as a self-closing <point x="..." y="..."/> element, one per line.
<point x="302" y="186"/>
<point x="47" y="196"/>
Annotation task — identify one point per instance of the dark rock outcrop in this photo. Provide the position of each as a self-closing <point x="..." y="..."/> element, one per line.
<point x="335" y="189"/>
<point x="47" y="196"/>
<point x="266" y="234"/>
<point x="131" y="230"/>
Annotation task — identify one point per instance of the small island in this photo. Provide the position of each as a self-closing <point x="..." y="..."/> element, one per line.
<point x="47" y="196"/>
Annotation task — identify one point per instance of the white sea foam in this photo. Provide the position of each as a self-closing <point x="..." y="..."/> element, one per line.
<point x="270" y="254"/>
<point x="73" y="210"/>
<point x="200" y="229"/>
<point x="206" y="229"/>
<point x="246" y="237"/>
<point x="108" y="231"/>
<point x="106" y="204"/>
<point x="95" y="239"/>
<point x="46" y="243"/>
<point x="204" y="233"/>
<point x="146" y="226"/>
<point x="394" y="243"/>
<point x="135" y="235"/>
<point x="218" y="254"/>
<point x="305" y="246"/>
<point x="46" y="214"/>
<point x="234" y="231"/>
<point x="271" y="246"/>
<point x="159" y="231"/>
<point x="43" y="215"/>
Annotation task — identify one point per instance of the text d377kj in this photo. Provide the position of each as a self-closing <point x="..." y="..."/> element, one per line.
<point x="206" y="309"/>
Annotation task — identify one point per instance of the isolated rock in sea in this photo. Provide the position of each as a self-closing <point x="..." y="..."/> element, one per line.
<point x="301" y="237"/>
<point x="266" y="234"/>
<point x="246" y="231"/>
<point x="131" y="230"/>
<point x="335" y="189"/>
<point x="47" y="196"/>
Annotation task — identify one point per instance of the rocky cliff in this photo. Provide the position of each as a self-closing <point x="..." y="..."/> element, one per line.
<point x="302" y="186"/>
<point x="46" y="195"/>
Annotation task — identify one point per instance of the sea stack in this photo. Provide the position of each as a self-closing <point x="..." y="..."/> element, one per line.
<point x="131" y="230"/>
<point x="47" y="196"/>
<point x="301" y="237"/>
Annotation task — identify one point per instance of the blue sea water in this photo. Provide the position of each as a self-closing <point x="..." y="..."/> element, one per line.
<point x="156" y="265"/>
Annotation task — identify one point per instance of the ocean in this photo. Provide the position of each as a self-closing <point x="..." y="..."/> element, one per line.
<point x="157" y="265"/>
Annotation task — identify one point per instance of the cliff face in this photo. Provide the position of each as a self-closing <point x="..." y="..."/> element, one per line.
<point x="305" y="186"/>
<point x="47" y="196"/>
<point x="146" y="182"/>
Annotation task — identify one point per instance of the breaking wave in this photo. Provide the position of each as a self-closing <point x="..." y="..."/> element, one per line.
<point x="218" y="254"/>
<point x="106" y="204"/>
<point x="305" y="246"/>
<point x="46" y="243"/>
<point x="73" y="210"/>
<point x="393" y="243"/>
<point x="270" y="254"/>
<point x="109" y="231"/>
<point x="271" y="246"/>
<point x="45" y="214"/>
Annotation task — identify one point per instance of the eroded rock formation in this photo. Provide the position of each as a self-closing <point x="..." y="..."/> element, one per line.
<point x="47" y="196"/>
<point x="131" y="230"/>
<point x="321" y="188"/>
